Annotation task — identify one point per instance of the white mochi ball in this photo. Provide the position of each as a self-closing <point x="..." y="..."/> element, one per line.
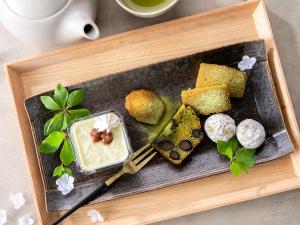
<point x="220" y="127"/>
<point x="250" y="133"/>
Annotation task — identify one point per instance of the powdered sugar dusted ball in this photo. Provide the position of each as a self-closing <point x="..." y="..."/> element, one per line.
<point x="220" y="127"/>
<point x="250" y="133"/>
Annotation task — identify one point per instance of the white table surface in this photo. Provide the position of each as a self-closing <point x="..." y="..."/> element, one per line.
<point x="279" y="209"/>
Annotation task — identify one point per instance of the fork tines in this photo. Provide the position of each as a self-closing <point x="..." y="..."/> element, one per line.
<point x="142" y="156"/>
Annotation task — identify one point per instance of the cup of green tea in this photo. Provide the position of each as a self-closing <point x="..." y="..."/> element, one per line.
<point x="147" y="8"/>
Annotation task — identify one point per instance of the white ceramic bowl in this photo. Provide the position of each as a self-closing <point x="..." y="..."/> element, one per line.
<point x="147" y="14"/>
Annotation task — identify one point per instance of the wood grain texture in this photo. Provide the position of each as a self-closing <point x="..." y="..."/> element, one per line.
<point x="32" y="164"/>
<point x="167" y="78"/>
<point x="242" y="22"/>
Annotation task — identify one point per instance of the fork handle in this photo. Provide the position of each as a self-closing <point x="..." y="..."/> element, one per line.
<point x="94" y="194"/>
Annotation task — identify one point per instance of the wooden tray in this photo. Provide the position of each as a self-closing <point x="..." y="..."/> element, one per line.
<point x="167" y="78"/>
<point x="241" y="22"/>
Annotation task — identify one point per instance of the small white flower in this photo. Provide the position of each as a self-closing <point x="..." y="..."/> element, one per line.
<point x="247" y="63"/>
<point x="17" y="199"/>
<point x="65" y="184"/>
<point x="3" y="218"/>
<point x="95" y="216"/>
<point x="25" y="220"/>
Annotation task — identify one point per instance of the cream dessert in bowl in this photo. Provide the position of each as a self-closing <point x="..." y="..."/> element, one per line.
<point x="99" y="141"/>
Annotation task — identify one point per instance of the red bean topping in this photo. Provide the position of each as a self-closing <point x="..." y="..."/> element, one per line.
<point x="96" y="135"/>
<point x="107" y="137"/>
<point x="104" y="136"/>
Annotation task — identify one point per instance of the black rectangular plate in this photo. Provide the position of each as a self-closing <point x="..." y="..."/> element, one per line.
<point x="167" y="78"/>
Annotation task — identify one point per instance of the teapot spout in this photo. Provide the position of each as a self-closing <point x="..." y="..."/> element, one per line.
<point x="81" y="25"/>
<point x="90" y="30"/>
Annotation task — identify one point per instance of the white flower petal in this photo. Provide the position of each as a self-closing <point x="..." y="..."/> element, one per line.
<point x="17" y="199"/>
<point x="95" y="216"/>
<point x="71" y="180"/>
<point x="25" y="220"/>
<point x="3" y="218"/>
<point x="247" y="63"/>
<point x="65" y="184"/>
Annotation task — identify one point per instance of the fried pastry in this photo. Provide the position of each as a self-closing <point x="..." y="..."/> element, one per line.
<point x="145" y="106"/>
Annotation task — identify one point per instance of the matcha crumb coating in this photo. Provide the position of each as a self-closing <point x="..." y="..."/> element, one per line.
<point x="145" y="106"/>
<point x="212" y="74"/>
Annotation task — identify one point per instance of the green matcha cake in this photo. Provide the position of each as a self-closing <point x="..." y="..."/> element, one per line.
<point x="211" y="75"/>
<point x="181" y="136"/>
<point x="207" y="100"/>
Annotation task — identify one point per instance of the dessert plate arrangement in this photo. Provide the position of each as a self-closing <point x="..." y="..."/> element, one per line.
<point x="168" y="79"/>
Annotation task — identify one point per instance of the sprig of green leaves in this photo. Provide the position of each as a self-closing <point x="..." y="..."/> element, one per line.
<point x="61" y="104"/>
<point x="240" y="160"/>
<point x="60" y="170"/>
<point x="52" y="142"/>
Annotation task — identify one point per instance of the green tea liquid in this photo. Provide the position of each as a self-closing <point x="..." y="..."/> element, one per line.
<point x="146" y="6"/>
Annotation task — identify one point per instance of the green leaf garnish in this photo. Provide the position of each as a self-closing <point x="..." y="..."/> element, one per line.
<point x="71" y="115"/>
<point x="241" y="160"/>
<point x="46" y="148"/>
<point x="235" y="169"/>
<point x="67" y="121"/>
<point x="75" y="98"/>
<point x="58" y="171"/>
<point x="61" y="170"/>
<point x="227" y="148"/>
<point x="243" y="167"/>
<point x="50" y="104"/>
<point x="245" y="153"/>
<point x="61" y="95"/>
<point x="66" y="153"/>
<point x="68" y="171"/>
<point x="245" y="156"/>
<point x="55" y="127"/>
<point x="78" y="113"/>
<point x="54" y="124"/>
<point x="52" y="142"/>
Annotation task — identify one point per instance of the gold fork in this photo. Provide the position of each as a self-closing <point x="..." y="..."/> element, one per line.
<point x="135" y="162"/>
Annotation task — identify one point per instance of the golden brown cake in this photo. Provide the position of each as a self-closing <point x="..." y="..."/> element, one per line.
<point x="212" y="74"/>
<point x="145" y="106"/>
<point x="181" y="136"/>
<point x="207" y="100"/>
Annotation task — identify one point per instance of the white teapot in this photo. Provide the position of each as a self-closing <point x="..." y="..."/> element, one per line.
<point x="49" y="23"/>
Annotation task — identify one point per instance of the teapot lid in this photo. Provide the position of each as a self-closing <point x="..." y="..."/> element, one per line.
<point x="35" y="9"/>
